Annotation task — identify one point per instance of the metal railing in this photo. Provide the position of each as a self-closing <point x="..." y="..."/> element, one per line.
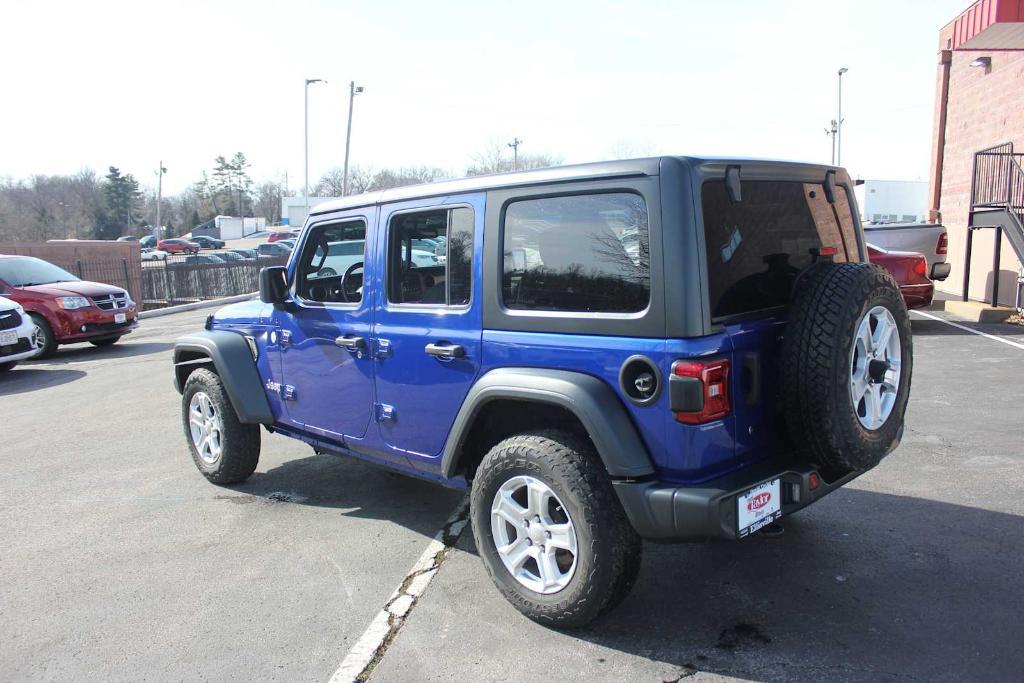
<point x="177" y="281"/>
<point x="997" y="182"/>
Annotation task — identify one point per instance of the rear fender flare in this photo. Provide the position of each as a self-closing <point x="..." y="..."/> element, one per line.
<point x="590" y="399"/>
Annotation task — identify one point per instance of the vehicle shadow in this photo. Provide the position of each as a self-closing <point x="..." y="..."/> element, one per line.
<point x="356" y="488"/>
<point x="864" y="586"/>
<point x="24" y="378"/>
<point x="78" y="352"/>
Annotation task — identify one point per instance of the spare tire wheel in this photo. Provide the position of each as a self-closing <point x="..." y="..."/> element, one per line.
<point x="847" y="358"/>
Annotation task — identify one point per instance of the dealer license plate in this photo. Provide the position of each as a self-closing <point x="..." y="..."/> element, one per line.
<point x="758" y="507"/>
<point x="8" y="338"/>
<point x="120" y="318"/>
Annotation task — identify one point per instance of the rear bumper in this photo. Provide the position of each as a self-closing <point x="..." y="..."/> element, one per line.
<point x="663" y="512"/>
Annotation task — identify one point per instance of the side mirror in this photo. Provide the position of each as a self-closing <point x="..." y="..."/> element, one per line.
<point x="273" y="285"/>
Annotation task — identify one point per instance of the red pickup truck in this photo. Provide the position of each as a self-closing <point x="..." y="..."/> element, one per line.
<point x="65" y="309"/>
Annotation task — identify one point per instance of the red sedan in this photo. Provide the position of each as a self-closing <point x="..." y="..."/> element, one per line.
<point x="278" y="236"/>
<point x="910" y="271"/>
<point x="178" y="246"/>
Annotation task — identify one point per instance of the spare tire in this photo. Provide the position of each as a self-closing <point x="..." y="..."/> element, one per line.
<point x="846" y="365"/>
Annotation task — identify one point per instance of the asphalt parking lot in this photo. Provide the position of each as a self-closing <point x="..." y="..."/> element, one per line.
<point x="121" y="562"/>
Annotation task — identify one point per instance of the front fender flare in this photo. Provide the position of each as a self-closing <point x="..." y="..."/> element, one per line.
<point x="231" y="357"/>
<point x="590" y="399"/>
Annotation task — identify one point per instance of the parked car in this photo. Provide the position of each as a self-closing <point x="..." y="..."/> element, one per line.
<point x="228" y="256"/>
<point x="202" y="259"/>
<point x="147" y="242"/>
<point x="154" y="255"/>
<point x="178" y="246"/>
<point x="929" y="239"/>
<point x="17" y="334"/>
<point x="910" y="272"/>
<point x="207" y="242"/>
<point x="277" y="236"/>
<point x="587" y="399"/>
<point x="295" y="232"/>
<point x="65" y="309"/>
<point x="245" y="253"/>
<point x="127" y="238"/>
<point x="273" y="249"/>
<point x="290" y="243"/>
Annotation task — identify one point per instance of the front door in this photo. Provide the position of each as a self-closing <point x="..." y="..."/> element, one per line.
<point x="324" y="332"/>
<point x="427" y="323"/>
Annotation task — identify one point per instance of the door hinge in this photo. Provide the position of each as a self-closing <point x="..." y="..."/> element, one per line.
<point x="287" y="392"/>
<point x="286" y="338"/>
<point x="383" y="348"/>
<point x="385" y="412"/>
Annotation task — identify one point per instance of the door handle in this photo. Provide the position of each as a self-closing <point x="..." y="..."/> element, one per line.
<point x="350" y="342"/>
<point x="445" y="351"/>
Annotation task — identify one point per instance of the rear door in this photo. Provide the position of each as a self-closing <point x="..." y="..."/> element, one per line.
<point x="755" y="248"/>
<point x="427" y="324"/>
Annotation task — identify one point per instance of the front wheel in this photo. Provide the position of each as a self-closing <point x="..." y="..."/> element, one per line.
<point x="42" y="337"/>
<point x="224" y="449"/>
<point x="551" y="531"/>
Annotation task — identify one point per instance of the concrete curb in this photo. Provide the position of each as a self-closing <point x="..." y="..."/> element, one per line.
<point x="212" y="303"/>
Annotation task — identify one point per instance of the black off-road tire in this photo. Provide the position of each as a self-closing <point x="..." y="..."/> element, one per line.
<point x="4" y="367"/>
<point x="821" y="419"/>
<point x="105" y="342"/>
<point x="240" y="443"/>
<point x="609" y="549"/>
<point x="49" y="345"/>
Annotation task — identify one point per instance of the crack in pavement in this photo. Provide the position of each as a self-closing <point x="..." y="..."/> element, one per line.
<point x="373" y="644"/>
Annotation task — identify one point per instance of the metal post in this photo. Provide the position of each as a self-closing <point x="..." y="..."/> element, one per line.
<point x="127" y="280"/>
<point x="967" y="261"/>
<point x="515" y="152"/>
<point x="305" y="145"/>
<point x="839" y="120"/>
<point x="159" y="197"/>
<point x="995" y="265"/>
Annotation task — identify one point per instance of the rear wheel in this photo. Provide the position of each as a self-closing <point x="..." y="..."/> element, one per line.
<point x="550" y="529"/>
<point x="43" y="337"/>
<point x="224" y="449"/>
<point x="847" y="361"/>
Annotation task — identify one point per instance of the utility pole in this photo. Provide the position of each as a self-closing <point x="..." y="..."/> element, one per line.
<point x="515" y="152"/>
<point x="305" y="190"/>
<point x="839" y="120"/>
<point x="159" y="196"/>
<point x="353" y="90"/>
<point x="831" y="132"/>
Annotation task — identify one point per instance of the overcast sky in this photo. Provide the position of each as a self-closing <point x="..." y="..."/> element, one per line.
<point x="93" y="84"/>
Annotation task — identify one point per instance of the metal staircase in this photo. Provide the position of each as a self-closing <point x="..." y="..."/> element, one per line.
<point x="997" y="202"/>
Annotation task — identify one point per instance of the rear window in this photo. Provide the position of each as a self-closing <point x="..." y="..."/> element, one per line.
<point x="756" y="247"/>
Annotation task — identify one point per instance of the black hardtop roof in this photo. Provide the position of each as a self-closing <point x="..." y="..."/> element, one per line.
<point x="595" y="170"/>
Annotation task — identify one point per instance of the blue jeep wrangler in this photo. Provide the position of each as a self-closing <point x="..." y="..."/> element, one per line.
<point x="668" y="349"/>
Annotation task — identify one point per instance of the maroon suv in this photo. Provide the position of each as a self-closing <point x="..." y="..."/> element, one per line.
<point x="64" y="308"/>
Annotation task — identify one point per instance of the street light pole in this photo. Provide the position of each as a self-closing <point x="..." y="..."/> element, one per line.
<point x="159" y="196"/>
<point x="515" y="152"/>
<point x="839" y="120"/>
<point x="353" y="90"/>
<point x="305" y="189"/>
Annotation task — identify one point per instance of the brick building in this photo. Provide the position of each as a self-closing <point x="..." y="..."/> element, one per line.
<point x="979" y="104"/>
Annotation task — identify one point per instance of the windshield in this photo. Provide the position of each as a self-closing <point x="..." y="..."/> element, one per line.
<point x="28" y="271"/>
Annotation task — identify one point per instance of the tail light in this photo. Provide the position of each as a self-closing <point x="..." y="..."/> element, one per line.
<point x="920" y="267"/>
<point x="699" y="390"/>
<point x="942" y="246"/>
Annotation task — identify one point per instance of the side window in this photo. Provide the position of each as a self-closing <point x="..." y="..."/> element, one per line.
<point x="331" y="267"/>
<point x="430" y="257"/>
<point x="579" y="253"/>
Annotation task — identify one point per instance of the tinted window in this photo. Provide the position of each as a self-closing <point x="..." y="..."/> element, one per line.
<point x="331" y="267"/>
<point x="416" y="273"/>
<point x="756" y="247"/>
<point x="27" y="271"/>
<point x="583" y="253"/>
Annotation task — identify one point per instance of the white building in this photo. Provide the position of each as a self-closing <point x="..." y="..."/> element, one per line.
<point x="294" y="212"/>
<point x="893" y="201"/>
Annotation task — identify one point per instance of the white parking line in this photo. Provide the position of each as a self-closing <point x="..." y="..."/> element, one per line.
<point x="968" y="329"/>
<point x="365" y="654"/>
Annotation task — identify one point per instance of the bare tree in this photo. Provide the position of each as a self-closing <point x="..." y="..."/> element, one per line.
<point x="495" y="158"/>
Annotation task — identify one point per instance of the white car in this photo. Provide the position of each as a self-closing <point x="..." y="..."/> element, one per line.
<point x="17" y="341"/>
<point x="154" y="255"/>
